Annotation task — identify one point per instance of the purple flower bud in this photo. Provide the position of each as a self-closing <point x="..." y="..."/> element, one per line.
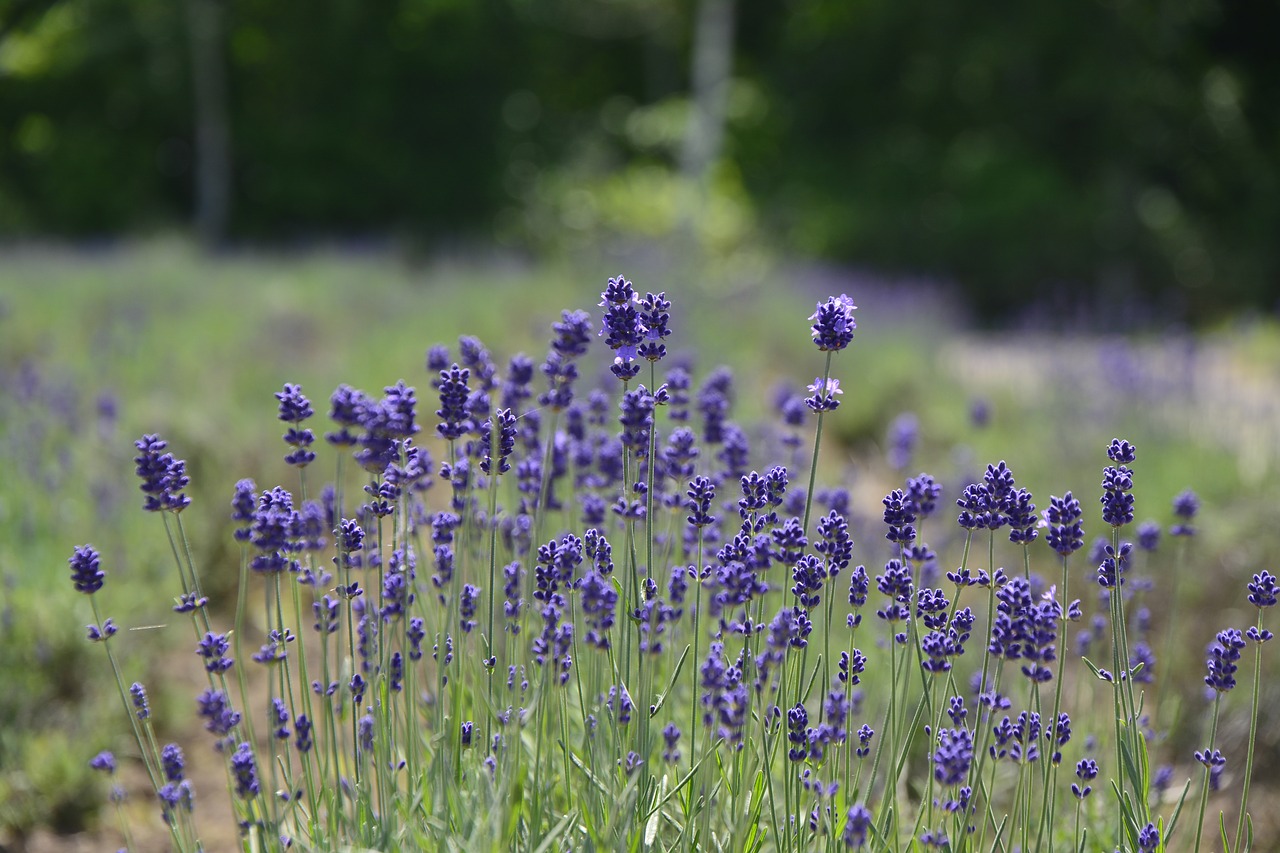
<point x="85" y="572"/>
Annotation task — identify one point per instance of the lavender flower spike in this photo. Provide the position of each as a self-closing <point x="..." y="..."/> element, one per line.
<point x="823" y="395"/>
<point x="85" y="573"/>
<point x="163" y="476"/>
<point x="833" y="323"/>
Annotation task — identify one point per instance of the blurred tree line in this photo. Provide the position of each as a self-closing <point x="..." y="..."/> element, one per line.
<point x="1102" y="149"/>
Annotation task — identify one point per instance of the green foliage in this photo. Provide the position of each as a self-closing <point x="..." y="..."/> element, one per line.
<point x="1115" y="149"/>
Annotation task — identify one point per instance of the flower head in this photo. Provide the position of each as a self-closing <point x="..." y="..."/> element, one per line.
<point x="621" y="327"/>
<point x="504" y="424"/>
<point x="822" y="395"/>
<point x="245" y="771"/>
<point x="833" y="323"/>
<point x="294" y="409"/>
<point x="163" y="476"/>
<point x="953" y="756"/>
<point x="654" y="318"/>
<point x="856" y="825"/>
<point x="1223" y="654"/>
<point x="1066" y="533"/>
<point x="85" y="573"/>
<point x="1185" y="507"/>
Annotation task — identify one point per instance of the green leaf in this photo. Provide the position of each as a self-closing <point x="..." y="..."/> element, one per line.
<point x="1096" y="672"/>
<point x="651" y="826"/>
<point x="675" y="674"/>
<point x="1177" y="812"/>
<point x="555" y="832"/>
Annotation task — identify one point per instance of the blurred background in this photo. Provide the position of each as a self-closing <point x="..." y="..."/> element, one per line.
<point x="1059" y="221"/>
<point x="1114" y="154"/>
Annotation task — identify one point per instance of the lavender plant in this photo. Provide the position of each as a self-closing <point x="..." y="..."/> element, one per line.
<point x="626" y="633"/>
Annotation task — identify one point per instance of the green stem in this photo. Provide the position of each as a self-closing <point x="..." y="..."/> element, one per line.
<point x="1208" y="770"/>
<point x="1253" y="736"/>
<point x="817" y="443"/>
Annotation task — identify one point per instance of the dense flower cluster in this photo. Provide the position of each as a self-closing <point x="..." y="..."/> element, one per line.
<point x="717" y="643"/>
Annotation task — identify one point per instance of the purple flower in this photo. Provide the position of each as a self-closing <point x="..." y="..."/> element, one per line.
<point x="163" y="476"/>
<point x="865" y="734"/>
<point x="175" y="795"/>
<point x="922" y="495"/>
<point x="822" y="395"/>
<point x="515" y="388"/>
<point x="1020" y="513"/>
<point x="1059" y="734"/>
<point x="654" y="318"/>
<point x="104" y="761"/>
<point x="900" y="518"/>
<point x="1148" y="838"/>
<point x="243" y="503"/>
<point x="573" y="334"/>
<point x="473" y="356"/>
<point x="220" y="718"/>
<point x="896" y="583"/>
<point x="1185" y="507"/>
<point x="346" y="409"/>
<point x="326" y="613"/>
<point x="467" y="602"/>
<point x="1262" y="590"/>
<point x="138" y="695"/>
<point x="1113" y="567"/>
<point x="454" y="420"/>
<point x="85" y="572"/>
<point x="631" y="763"/>
<point x="302" y="733"/>
<point x="700" y="494"/>
<point x="954" y="755"/>
<point x="437" y="359"/>
<point x="1066" y="534"/>
<point x="859" y="587"/>
<point x="364" y="731"/>
<point x="1142" y="663"/>
<point x="1149" y="535"/>
<point x="621" y="326"/>
<point x="213" y="648"/>
<point x="797" y="724"/>
<point x="636" y="420"/>
<point x="833" y="323"/>
<point x="1223" y="654"/>
<point x="1121" y="451"/>
<point x="273" y="532"/>
<point x="856" y="826"/>
<point x="1086" y="771"/>
<point x="245" y="770"/>
<point x="172" y="762"/>
<point x="599" y="600"/>
<point x="506" y="429"/>
<point x="1117" y="482"/>
<point x="984" y="506"/>
<point x="1018" y="740"/>
<point x="904" y="432"/>
<point x="294" y="409"/>
<point x="834" y="542"/>
<point x="670" y="737"/>
<point x="1214" y="760"/>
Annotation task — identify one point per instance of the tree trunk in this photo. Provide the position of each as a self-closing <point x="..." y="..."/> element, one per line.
<point x="712" y="70"/>
<point x="212" y="126"/>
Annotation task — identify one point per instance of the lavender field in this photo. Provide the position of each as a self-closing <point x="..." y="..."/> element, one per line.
<point x="376" y="557"/>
